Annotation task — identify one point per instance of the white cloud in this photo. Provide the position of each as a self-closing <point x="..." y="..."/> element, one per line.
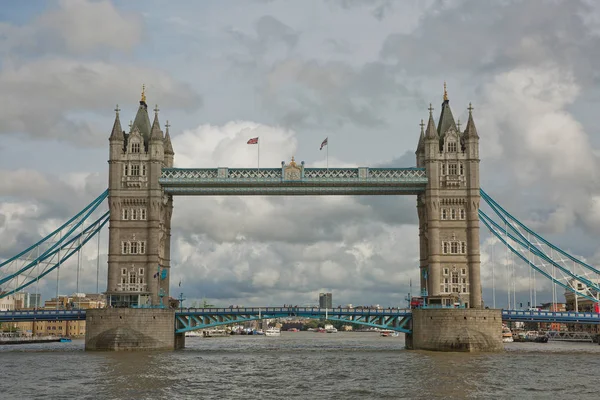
<point x="76" y="26"/>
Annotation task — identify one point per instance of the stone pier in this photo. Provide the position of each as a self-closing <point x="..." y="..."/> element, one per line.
<point x="125" y="329"/>
<point x="461" y="330"/>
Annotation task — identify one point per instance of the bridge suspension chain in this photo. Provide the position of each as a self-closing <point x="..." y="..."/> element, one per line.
<point x="49" y="253"/>
<point x="541" y="255"/>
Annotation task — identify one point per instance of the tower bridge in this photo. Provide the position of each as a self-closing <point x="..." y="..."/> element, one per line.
<point x="143" y="183"/>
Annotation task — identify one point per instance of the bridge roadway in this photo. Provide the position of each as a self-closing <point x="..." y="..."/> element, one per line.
<point x="190" y="319"/>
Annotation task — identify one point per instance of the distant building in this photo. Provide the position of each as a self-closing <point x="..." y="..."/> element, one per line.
<point x="325" y="300"/>
<point x="7" y="303"/>
<point x="35" y="300"/>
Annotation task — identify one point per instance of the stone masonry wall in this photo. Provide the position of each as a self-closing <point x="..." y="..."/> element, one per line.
<point x="464" y="330"/>
<point x="123" y="329"/>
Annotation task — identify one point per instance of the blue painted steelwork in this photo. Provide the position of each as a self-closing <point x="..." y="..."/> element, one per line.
<point x="550" y="316"/>
<point x="85" y="236"/>
<point x="310" y="181"/>
<point x="42" y="315"/>
<point x="62" y="242"/>
<point x="525" y="243"/>
<point x="491" y="201"/>
<point x="201" y="318"/>
<point x="94" y="204"/>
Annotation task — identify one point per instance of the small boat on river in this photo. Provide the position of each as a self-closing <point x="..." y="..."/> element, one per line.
<point x="273" y="332"/>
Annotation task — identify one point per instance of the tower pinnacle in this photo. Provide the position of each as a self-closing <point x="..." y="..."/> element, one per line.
<point x="445" y="92"/>
<point x="143" y="100"/>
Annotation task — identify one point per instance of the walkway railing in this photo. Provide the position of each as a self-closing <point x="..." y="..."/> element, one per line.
<point x="551" y="316"/>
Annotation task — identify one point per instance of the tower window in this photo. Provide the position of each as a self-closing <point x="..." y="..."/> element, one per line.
<point x="133" y="247"/>
<point x="124" y="271"/>
<point x="125" y="214"/>
<point x="454" y="278"/>
<point x="463" y="247"/>
<point x="135" y="170"/>
<point x="462" y="171"/>
<point x="452" y="213"/>
<point x="444" y="213"/>
<point x="445" y="271"/>
<point x="453" y="247"/>
<point x="134" y="214"/>
<point x="445" y="247"/>
<point x="135" y="147"/>
<point x="451" y="147"/>
<point x="451" y="169"/>
<point x="141" y="271"/>
<point x="126" y="169"/>
<point x="143" y="214"/>
<point x="462" y="213"/>
<point x="143" y="169"/>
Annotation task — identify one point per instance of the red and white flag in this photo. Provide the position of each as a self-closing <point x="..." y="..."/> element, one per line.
<point x="253" y="141"/>
<point x="324" y="144"/>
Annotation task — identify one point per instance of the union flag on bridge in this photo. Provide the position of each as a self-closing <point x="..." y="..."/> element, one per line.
<point x="253" y="141"/>
<point x="324" y="144"/>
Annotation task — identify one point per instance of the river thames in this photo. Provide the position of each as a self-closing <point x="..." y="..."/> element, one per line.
<point x="301" y="365"/>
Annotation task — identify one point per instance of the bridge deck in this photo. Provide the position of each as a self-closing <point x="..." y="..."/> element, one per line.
<point x="308" y="181"/>
<point x="346" y="314"/>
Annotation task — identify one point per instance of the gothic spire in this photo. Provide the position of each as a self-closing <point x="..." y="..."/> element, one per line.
<point x="142" y="120"/>
<point x="430" y="132"/>
<point x="156" y="133"/>
<point x="470" y="130"/>
<point x="167" y="141"/>
<point x="117" y="132"/>
<point x="446" y="119"/>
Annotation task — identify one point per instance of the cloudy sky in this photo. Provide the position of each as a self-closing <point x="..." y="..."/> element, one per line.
<point x="361" y="72"/>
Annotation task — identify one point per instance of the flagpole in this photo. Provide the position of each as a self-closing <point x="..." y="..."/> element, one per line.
<point x="258" y="143"/>
<point x="327" y="153"/>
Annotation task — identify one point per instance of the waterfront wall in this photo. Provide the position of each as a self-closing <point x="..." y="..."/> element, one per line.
<point x="125" y="329"/>
<point x="461" y="330"/>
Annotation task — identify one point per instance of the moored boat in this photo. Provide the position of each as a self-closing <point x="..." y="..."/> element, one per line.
<point x="330" y="329"/>
<point x="507" y="336"/>
<point x="214" y="333"/>
<point x="273" y="332"/>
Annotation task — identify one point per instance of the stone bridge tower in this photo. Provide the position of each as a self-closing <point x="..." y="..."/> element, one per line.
<point x="448" y="210"/>
<point x="140" y="213"/>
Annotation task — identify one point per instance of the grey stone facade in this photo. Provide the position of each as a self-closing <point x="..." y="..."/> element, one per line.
<point x="132" y="329"/>
<point x="448" y="211"/>
<point x="456" y="330"/>
<point x="140" y="213"/>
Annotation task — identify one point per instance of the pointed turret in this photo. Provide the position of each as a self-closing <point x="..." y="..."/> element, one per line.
<point x="168" y="145"/>
<point x="156" y="133"/>
<point x="421" y="145"/>
<point x="430" y="132"/>
<point x="470" y="130"/>
<point x="117" y="131"/>
<point x="446" y="118"/>
<point x="142" y="120"/>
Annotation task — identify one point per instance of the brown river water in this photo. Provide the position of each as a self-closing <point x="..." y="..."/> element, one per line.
<point x="301" y="365"/>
